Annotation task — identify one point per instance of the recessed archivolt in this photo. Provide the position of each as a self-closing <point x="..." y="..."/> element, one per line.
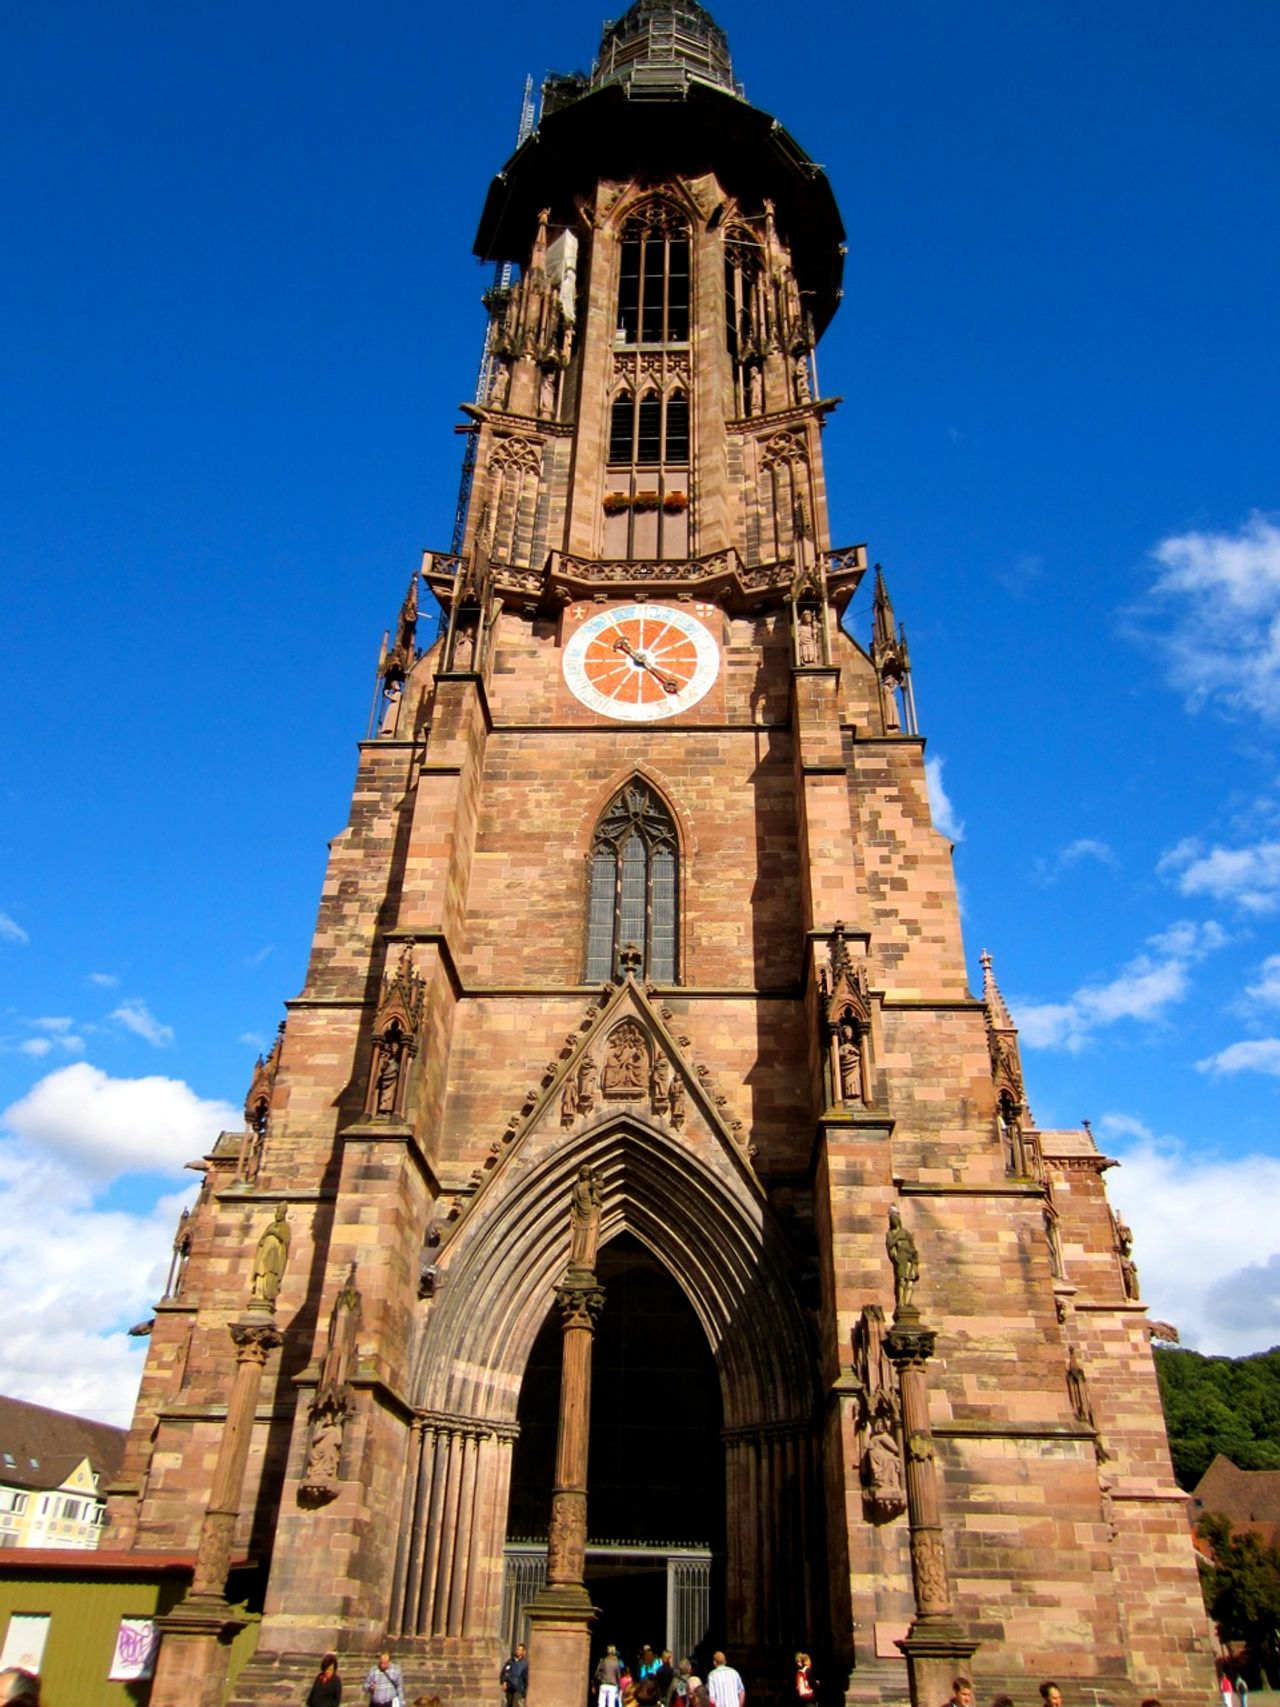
<point x="605" y="796"/>
<point x="717" y="1239"/>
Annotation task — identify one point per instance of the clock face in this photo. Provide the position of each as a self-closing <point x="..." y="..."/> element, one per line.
<point x="641" y="662"/>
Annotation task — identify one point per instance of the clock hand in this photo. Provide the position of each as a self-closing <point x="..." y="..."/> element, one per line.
<point x="667" y="684"/>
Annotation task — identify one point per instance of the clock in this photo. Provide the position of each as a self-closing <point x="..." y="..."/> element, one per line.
<point x="641" y="662"/>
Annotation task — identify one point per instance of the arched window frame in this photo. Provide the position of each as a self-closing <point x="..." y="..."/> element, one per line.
<point x="633" y="887"/>
<point x="655" y="276"/>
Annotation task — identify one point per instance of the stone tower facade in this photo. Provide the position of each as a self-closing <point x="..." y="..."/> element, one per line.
<point x="640" y="878"/>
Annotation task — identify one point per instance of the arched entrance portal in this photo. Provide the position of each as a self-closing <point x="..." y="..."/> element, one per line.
<point x="686" y="1207"/>
<point x="656" y="1482"/>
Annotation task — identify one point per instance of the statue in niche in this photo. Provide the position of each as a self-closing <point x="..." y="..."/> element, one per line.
<point x="810" y="639"/>
<point x="659" y="1085"/>
<point x="905" y="1258"/>
<point x="324" y="1450"/>
<point x="882" y="1463"/>
<point x="850" y="1056"/>
<point x="588" y="1077"/>
<point x="1055" y="1248"/>
<point x="803" y="392"/>
<point x="626" y="1066"/>
<point x="675" y="1101"/>
<point x="584" y="1219"/>
<point x="1128" y="1269"/>
<point x="464" y="645"/>
<point x="386" y="1083"/>
<point x="269" y="1260"/>
<point x="547" y="393"/>
<point x="755" y="391"/>
<point x="1078" y="1387"/>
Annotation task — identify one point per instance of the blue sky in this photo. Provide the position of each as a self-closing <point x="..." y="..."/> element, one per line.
<point x="237" y="315"/>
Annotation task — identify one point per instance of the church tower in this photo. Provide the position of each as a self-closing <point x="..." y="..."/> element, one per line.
<point x="640" y="888"/>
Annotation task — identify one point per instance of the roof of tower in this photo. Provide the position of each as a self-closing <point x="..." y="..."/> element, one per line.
<point x="657" y="41"/>
<point x="659" y="99"/>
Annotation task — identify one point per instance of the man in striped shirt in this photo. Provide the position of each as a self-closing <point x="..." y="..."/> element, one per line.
<point x="724" y="1685"/>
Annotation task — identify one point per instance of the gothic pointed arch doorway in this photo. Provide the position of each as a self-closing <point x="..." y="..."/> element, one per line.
<point x="655" y="1500"/>
<point x="679" y="1203"/>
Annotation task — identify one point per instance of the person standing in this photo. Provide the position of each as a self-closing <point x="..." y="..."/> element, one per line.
<point x="724" y="1685"/>
<point x="384" y="1685"/>
<point x="962" y="1693"/>
<point x="607" y="1676"/>
<point x="326" y="1691"/>
<point x="515" y="1677"/>
<point x="805" y="1688"/>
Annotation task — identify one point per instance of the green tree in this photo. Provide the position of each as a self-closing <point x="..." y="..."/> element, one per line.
<point x="1241" y="1586"/>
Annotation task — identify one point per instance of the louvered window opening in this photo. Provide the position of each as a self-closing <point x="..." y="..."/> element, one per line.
<point x="633" y="888"/>
<point x="653" y="286"/>
<point x="651" y="434"/>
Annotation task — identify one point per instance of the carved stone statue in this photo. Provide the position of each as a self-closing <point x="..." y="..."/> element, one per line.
<point x="588" y="1077"/>
<point x="387" y="1075"/>
<point x="626" y="1066"/>
<point x="463" y="646"/>
<point x="584" y="1220"/>
<point x="905" y="1258"/>
<point x="850" y="1053"/>
<point x="810" y="640"/>
<point x="675" y="1100"/>
<point x="1128" y="1269"/>
<point x="340" y="1351"/>
<point x="1078" y="1387"/>
<point x="659" y="1082"/>
<point x="882" y="1464"/>
<point x="269" y="1260"/>
<point x="569" y="1102"/>
<point x="324" y="1450"/>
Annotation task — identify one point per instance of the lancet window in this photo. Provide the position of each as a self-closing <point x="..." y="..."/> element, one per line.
<point x="653" y="277"/>
<point x="649" y="433"/>
<point x="634" y="867"/>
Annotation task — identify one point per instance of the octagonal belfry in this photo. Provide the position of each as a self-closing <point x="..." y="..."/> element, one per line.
<point x="640" y="885"/>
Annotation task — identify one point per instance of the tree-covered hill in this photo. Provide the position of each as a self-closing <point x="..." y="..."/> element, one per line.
<point x="1220" y="1404"/>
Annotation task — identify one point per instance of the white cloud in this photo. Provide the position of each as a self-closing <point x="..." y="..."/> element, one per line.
<point x="74" y="1277"/>
<point x="11" y="930"/>
<point x="261" y="954"/>
<point x="1216" y="1277"/>
<point x="136" y="1016"/>
<point x="106" y="1127"/>
<point x="1253" y="1055"/>
<point x="944" y="813"/>
<point x="1084" y="847"/>
<point x="102" y="980"/>
<point x="1247" y="876"/>
<point x="255" y="1040"/>
<point x="1214" y="607"/>
<point x="1142" y="990"/>
<point x="1266" y="991"/>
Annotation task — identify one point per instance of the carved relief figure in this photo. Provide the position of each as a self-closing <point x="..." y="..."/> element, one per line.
<point x="1078" y="1387"/>
<point x="588" y="1078"/>
<point x="584" y="1219"/>
<point x="324" y="1449"/>
<point x="569" y="1102"/>
<point x="626" y="1066"/>
<point x="659" y="1081"/>
<point x="340" y="1350"/>
<point x="269" y="1260"/>
<point x="386" y="1080"/>
<point x="675" y="1101"/>
<point x="905" y="1258"/>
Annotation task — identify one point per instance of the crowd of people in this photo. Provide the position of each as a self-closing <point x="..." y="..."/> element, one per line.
<point x="659" y="1680"/>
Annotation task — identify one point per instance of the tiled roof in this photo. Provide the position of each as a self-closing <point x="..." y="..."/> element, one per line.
<point x="39" y="1448"/>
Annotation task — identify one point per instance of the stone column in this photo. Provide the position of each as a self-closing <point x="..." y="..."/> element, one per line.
<point x="560" y="1617"/>
<point x="192" y="1662"/>
<point x="936" y="1643"/>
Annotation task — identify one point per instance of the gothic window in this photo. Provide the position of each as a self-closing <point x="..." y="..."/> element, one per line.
<point x="653" y="279"/>
<point x="632" y="895"/>
<point x="650" y="434"/>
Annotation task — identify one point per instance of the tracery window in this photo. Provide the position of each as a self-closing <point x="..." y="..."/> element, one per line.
<point x="653" y="278"/>
<point x="632" y="890"/>
<point x="654" y="433"/>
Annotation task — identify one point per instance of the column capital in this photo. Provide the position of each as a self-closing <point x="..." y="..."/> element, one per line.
<point x="255" y="1338"/>
<point x="909" y="1344"/>
<point x="580" y="1300"/>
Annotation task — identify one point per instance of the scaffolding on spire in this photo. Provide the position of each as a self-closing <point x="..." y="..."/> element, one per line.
<point x="484" y="379"/>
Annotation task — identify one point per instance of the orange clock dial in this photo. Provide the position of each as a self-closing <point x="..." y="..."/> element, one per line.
<point x="641" y="662"/>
